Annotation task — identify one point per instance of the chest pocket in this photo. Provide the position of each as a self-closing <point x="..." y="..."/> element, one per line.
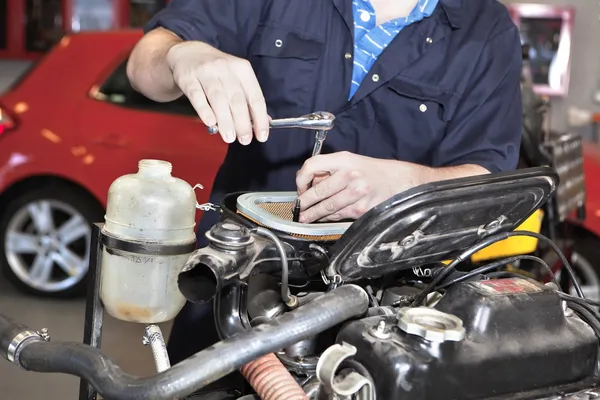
<point x="414" y="116"/>
<point x="286" y="61"/>
<point x="438" y="102"/>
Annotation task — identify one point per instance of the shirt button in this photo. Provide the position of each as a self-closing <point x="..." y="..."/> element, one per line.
<point x="422" y="108"/>
<point x="375" y="78"/>
<point x="429" y="40"/>
<point x="364" y="16"/>
<point x="347" y="56"/>
<point x="278" y="43"/>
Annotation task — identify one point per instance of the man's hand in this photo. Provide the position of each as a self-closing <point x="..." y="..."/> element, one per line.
<point x="223" y="90"/>
<point x="347" y="185"/>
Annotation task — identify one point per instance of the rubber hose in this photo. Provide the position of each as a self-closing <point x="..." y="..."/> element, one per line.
<point x="206" y="366"/>
<point x="271" y="380"/>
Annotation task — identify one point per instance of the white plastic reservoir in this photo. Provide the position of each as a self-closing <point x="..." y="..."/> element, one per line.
<point x="149" y="207"/>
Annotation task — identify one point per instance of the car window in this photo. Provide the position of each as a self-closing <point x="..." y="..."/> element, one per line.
<point x="117" y="89"/>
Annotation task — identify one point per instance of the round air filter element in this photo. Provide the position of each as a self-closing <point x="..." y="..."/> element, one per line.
<point x="274" y="210"/>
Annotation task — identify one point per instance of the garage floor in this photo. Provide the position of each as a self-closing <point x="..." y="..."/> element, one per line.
<point x="64" y="320"/>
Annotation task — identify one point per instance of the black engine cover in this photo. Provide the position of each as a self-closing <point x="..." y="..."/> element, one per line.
<point x="518" y="339"/>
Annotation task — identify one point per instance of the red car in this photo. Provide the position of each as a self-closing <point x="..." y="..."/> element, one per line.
<point x="68" y="128"/>
<point x="67" y="131"/>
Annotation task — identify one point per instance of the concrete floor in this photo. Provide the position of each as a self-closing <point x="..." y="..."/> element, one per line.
<point x="64" y="320"/>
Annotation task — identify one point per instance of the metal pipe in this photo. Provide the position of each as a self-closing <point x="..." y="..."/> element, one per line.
<point x="204" y="367"/>
<point x="285" y="270"/>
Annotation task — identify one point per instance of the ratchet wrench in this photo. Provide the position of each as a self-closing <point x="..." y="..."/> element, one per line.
<point x="321" y="122"/>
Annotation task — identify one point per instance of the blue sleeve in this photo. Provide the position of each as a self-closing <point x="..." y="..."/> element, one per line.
<point x="228" y="25"/>
<point x="487" y="127"/>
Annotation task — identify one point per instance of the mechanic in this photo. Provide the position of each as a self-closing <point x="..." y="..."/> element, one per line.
<point x="422" y="90"/>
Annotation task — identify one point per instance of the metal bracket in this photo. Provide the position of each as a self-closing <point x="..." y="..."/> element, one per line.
<point x="94" y="310"/>
<point x="346" y="386"/>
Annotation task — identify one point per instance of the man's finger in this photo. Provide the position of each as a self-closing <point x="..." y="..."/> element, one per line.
<point x="192" y="89"/>
<point x="217" y="98"/>
<point x="351" y="211"/>
<point x="317" y="165"/>
<point x="320" y="178"/>
<point x="256" y="101"/>
<point x="323" y="190"/>
<point x="330" y="209"/>
<point x="238" y="107"/>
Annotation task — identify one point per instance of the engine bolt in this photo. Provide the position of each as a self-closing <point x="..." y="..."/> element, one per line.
<point x="380" y="331"/>
<point x="407" y="240"/>
<point x="492" y="225"/>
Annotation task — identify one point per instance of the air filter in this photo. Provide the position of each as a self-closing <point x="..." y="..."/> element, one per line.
<point x="274" y="210"/>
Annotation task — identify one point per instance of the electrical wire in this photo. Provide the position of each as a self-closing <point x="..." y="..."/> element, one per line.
<point x="498" y="264"/>
<point x="589" y="301"/>
<point x="587" y="316"/>
<point x="585" y="309"/>
<point x="505" y="274"/>
<point x="485" y="243"/>
<point x="582" y="302"/>
<point x="558" y="252"/>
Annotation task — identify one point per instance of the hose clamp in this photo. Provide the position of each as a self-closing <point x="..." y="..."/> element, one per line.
<point x="353" y="384"/>
<point x="18" y="342"/>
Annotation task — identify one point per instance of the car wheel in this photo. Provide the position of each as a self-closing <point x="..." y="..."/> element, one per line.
<point x="45" y="237"/>
<point x="585" y="261"/>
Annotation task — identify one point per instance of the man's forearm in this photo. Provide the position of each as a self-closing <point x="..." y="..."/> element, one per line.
<point x="414" y="175"/>
<point x="148" y="70"/>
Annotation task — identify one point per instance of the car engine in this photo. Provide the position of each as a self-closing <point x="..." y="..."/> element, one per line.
<point x="374" y="309"/>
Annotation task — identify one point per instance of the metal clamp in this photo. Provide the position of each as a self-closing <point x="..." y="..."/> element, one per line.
<point x="16" y="345"/>
<point x="351" y="384"/>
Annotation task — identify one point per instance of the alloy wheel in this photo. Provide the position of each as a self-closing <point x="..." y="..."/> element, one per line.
<point x="47" y="245"/>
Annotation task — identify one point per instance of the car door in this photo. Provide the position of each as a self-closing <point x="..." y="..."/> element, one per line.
<point x="125" y="126"/>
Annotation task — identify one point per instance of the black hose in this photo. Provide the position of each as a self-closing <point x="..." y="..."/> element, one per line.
<point x="204" y="367"/>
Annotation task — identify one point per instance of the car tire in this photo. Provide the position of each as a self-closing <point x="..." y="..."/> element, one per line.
<point x="58" y="252"/>
<point x="585" y="261"/>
